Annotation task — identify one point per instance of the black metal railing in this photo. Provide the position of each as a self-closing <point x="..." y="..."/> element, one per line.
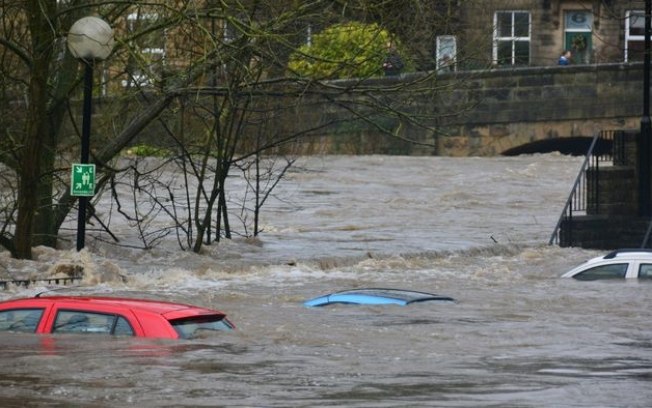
<point x="602" y="150"/>
<point x="44" y="281"/>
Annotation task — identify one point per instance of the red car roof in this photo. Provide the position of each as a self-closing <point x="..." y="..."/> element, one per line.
<point x="168" y="309"/>
<point x="148" y="318"/>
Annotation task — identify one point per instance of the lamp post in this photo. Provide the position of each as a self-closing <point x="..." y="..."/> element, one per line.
<point x="90" y="39"/>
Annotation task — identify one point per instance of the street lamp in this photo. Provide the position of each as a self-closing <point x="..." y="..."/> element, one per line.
<point x="90" y="39"/>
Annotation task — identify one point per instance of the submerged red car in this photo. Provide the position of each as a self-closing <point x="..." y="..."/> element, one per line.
<point x="109" y="316"/>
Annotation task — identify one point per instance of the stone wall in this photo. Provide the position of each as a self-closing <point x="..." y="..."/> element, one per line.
<point x="487" y="113"/>
<point x="603" y="232"/>
<point x="470" y="113"/>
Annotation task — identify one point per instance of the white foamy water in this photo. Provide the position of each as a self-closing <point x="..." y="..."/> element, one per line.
<point x="475" y="229"/>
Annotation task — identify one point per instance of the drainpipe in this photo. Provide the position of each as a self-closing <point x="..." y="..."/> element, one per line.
<point x="646" y="128"/>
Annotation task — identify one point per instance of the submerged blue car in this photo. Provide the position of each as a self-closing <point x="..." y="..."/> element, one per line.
<point x="376" y="296"/>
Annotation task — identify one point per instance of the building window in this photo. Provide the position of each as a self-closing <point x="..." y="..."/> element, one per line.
<point x="229" y="33"/>
<point x="308" y="41"/>
<point x="446" y="49"/>
<point x="634" y="35"/>
<point x="511" y="38"/>
<point x="578" y="37"/>
<point x="146" y="62"/>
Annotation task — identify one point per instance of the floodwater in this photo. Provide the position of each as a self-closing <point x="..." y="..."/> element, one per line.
<point x="475" y="229"/>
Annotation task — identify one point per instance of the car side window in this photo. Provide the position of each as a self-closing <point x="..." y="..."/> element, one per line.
<point x="73" y="321"/>
<point x="645" y="271"/>
<point x="122" y="327"/>
<point x="611" y="271"/>
<point x="20" y="320"/>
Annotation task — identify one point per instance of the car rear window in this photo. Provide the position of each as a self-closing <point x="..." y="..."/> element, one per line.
<point x="645" y="271"/>
<point x="20" y="320"/>
<point x="193" y="327"/>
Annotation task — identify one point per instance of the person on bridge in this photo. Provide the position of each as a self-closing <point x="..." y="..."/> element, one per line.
<point x="393" y="64"/>
<point x="565" y="58"/>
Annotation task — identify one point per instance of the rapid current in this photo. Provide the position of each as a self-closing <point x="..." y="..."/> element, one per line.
<point x="475" y="229"/>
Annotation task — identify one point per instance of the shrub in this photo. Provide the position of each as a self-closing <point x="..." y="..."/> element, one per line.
<point x="343" y="51"/>
<point x="143" y="150"/>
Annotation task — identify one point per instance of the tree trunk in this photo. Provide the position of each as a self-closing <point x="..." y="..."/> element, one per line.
<point x="37" y="134"/>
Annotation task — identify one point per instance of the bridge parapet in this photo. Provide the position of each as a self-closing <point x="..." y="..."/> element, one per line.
<point x="521" y="106"/>
<point x="465" y="113"/>
<point x="485" y="113"/>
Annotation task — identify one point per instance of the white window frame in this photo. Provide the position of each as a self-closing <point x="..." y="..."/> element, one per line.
<point x="513" y="39"/>
<point x="629" y="37"/>
<point x="228" y="33"/>
<point x="586" y="29"/>
<point x="309" y="35"/>
<point x="446" y="46"/>
<point x="141" y="79"/>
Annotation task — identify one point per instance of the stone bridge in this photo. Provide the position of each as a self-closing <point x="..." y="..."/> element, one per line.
<point x="466" y="113"/>
<point x="506" y="111"/>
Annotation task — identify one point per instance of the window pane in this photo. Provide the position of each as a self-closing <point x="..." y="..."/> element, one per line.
<point x="200" y="326"/>
<point x="20" y="320"/>
<point x="142" y="26"/>
<point x="229" y="34"/>
<point x="635" y="50"/>
<point x="613" y="271"/>
<point x="645" y="271"/>
<point x="504" y="53"/>
<point x="522" y="52"/>
<point x="504" y="21"/>
<point x="146" y="67"/>
<point x="83" y="322"/>
<point x="636" y="23"/>
<point x="70" y="322"/>
<point x="579" y="20"/>
<point x="123" y="328"/>
<point x="521" y="25"/>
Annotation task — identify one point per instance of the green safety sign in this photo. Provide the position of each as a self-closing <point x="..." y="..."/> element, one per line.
<point x="82" y="180"/>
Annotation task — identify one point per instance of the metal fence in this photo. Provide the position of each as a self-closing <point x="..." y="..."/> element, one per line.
<point x="603" y="151"/>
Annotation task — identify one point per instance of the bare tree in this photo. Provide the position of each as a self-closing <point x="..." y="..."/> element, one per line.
<point x="205" y="77"/>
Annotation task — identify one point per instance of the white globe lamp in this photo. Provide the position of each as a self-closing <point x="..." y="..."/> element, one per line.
<point x="90" y="38"/>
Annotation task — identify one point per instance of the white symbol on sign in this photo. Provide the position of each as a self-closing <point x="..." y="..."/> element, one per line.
<point x="85" y="178"/>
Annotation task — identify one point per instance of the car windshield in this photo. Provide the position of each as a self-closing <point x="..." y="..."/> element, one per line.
<point x="193" y="327"/>
<point x="408" y="296"/>
<point x="375" y="296"/>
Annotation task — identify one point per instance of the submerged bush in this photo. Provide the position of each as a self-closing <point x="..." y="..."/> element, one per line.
<point x="143" y="150"/>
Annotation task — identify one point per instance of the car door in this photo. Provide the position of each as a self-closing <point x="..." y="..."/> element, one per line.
<point x="24" y="316"/>
<point x="70" y="317"/>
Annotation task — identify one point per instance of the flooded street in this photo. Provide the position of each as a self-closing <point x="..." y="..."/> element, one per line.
<point x="475" y="229"/>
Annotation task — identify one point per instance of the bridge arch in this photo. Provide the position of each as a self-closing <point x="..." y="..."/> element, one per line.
<point x="574" y="146"/>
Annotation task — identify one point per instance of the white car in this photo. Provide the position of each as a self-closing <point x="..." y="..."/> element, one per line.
<point x="619" y="264"/>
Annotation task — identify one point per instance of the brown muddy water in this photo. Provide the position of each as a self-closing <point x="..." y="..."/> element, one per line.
<point x="475" y="229"/>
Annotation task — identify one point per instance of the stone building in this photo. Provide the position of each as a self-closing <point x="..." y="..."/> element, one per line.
<point x="457" y="35"/>
<point x="535" y="32"/>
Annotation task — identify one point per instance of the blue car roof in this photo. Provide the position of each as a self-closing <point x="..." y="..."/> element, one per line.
<point x="375" y="296"/>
